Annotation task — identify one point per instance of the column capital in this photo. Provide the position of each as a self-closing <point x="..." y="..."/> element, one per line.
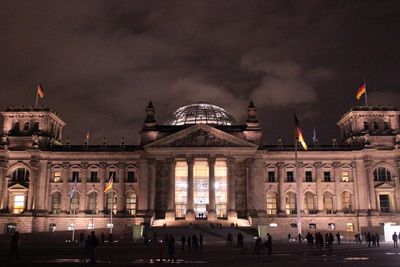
<point x="121" y="165"/>
<point x="249" y="162"/>
<point x="368" y="163"/>
<point x="65" y="165"/>
<point x="211" y="161"/>
<point x="336" y="164"/>
<point x="280" y="164"/>
<point x="84" y="164"/>
<point x="318" y="165"/>
<point x="171" y="161"/>
<point x="190" y="161"/>
<point x="299" y="164"/>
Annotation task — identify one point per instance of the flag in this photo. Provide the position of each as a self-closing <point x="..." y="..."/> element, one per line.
<point x="299" y="133"/>
<point x="362" y="89"/>
<point x="109" y="186"/>
<point x="40" y="91"/>
<point x="314" y="136"/>
<point x="71" y="196"/>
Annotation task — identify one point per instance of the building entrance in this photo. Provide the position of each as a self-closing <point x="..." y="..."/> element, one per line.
<point x="200" y="188"/>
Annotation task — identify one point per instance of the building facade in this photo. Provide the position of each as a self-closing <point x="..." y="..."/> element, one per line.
<point x="199" y="165"/>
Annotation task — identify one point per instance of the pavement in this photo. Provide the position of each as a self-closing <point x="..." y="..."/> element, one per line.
<point x="53" y="252"/>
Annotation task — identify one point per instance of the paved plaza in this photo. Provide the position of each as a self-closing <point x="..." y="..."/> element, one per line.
<point x="57" y="252"/>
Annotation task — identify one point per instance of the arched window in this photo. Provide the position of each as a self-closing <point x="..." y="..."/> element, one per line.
<point x="56" y="203"/>
<point x="20" y="175"/>
<point x="328" y="202"/>
<point x="111" y="201"/>
<point x="130" y="205"/>
<point x="382" y="174"/>
<point x="74" y="203"/>
<point x="291" y="203"/>
<point x="92" y="203"/>
<point x="346" y="202"/>
<point x="309" y="203"/>
<point x="271" y="205"/>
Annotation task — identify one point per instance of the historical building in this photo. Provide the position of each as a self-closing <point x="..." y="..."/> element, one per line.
<point x="199" y="165"/>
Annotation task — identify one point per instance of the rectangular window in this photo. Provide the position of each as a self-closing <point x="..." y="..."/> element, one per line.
<point x="384" y="203"/>
<point x="19" y="203"/>
<point x="93" y="177"/>
<point x="57" y="176"/>
<point x="181" y="185"/>
<point x="312" y="226"/>
<point x="331" y="226"/>
<point x="131" y="177"/>
<point x="308" y="176"/>
<point x="345" y="176"/>
<point x="350" y="227"/>
<point x="289" y="176"/>
<point x="75" y="176"/>
<point x="327" y="176"/>
<point x="271" y="176"/>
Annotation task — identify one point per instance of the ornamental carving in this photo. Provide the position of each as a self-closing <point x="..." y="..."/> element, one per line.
<point x="201" y="138"/>
<point x="280" y="164"/>
<point x="121" y="165"/>
<point x="336" y="164"/>
<point x="318" y="165"/>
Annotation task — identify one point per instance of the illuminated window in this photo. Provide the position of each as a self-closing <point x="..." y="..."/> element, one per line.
<point x="346" y="202"/>
<point x="19" y="203"/>
<point x="130" y="205"/>
<point x="331" y="226"/>
<point x="57" y="176"/>
<point x="382" y="174"/>
<point x="312" y="226"/>
<point x="309" y="203"/>
<point x="350" y="227"/>
<point x="181" y="185"/>
<point x="52" y="227"/>
<point x="11" y="227"/>
<point x="271" y="203"/>
<point x="345" y="176"/>
<point x="221" y="188"/>
<point x="328" y="202"/>
<point x="92" y="203"/>
<point x="200" y="187"/>
<point x="56" y="203"/>
<point x="111" y="202"/>
<point x="291" y="203"/>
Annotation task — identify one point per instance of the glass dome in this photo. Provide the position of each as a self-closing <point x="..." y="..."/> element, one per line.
<point x="200" y="113"/>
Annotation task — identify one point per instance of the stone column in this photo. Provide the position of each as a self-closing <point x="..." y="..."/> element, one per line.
<point x="249" y="199"/>
<point x="299" y="185"/>
<point x="355" y="206"/>
<point x="318" y="179"/>
<point x="232" y="214"/>
<point x="121" y="188"/>
<point x="212" y="215"/>
<point x="337" y="176"/>
<point x="143" y="192"/>
<point x="5" y="194"/>
<point x="152" y="185"/>
<point x="170" y="214"/>
<point x="40" y="188"/>
<point x="370" y="184"/>
<point x="103" y="166"/>
<point x="33" y="180"/>
<point x="281" y="180"/>
<point x="3" y="186"/>
<point x="47" y="185"/>
<point x="397" y="185"/>
<point x="190" y="215"/>
<point x="65" y="188"/>
<point x="83" y="187"/>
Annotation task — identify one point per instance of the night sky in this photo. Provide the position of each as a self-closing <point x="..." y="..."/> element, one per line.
<point x="101" y="62"/>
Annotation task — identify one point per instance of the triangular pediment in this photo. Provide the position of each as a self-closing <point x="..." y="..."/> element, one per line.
<point x="384" y="186"/>
<point x="201" y="135"/>
<point x="17" y="186"/>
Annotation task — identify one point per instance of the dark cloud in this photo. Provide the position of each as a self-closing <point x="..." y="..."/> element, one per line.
<point x="102" y="61"/>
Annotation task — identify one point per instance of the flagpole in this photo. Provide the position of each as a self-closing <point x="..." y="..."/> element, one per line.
<point x="112" y="205"/>
<point x="365" y="95"/>
<point x="37" y="98"/>
<point x="298" y="184"/>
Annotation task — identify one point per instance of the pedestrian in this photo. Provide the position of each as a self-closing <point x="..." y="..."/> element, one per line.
<point x="183" y="241"/>
<point x="356" y="237"/>
<point x="201" y="242"/>
<point x="189" y="243"/>
<point x="257" y="245"/>
<point x="14" y="245"/>
<point x="300" y="238"/>
<point x="330" y="241"/>
<point x="94" y="245"/>
<point x="240" y="240"/>
<point x="373" y="240"/>
<point x="110" y="239"/>
<point x="171" y="249"/>
<point x="394" y="238"/>
<point x="195" y="242"/>
<point x="338" y="238"/>
<point x="377" y="239"/>
<point x="368" y="238"/>
<point x="88" y="245"/>
<point x="81" y="240"/>
<point x="229" y="239"/>
<point x="269" y="243"/>
<point x="289" y="237"/>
